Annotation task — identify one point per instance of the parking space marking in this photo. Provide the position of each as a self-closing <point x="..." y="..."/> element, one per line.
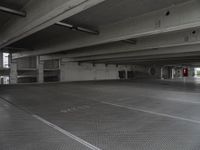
<point x="153" y="113"/>
<point x="70" y="135"/>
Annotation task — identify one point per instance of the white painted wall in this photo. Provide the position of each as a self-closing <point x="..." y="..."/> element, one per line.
<point x="72" y="71"/>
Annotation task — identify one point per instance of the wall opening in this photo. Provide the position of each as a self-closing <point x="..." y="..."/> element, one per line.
<point x="197" y="72"/>
<point x="5" y="60"/>
<point x="122" y="74"/>
<point x="4" y="79"/>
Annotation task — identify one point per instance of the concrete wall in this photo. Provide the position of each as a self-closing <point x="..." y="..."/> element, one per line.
<point x="179" y="72"/>
<point x="72" y="71"/>
<point x="27" y="62"/>
<point x="144" y="71"/>
<point x="31" y="62"/>
<point x="166" y="72"/>
<point x="51" y="64"/>
<point x="174" y="72"/>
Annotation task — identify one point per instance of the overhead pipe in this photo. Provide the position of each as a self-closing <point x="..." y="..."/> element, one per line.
<point x="65" y="25"/>
<point x="13" y="11"/>
<point x="77" y="28"/>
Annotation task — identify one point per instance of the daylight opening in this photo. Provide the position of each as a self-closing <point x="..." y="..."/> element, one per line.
<point x="197" y="72"/>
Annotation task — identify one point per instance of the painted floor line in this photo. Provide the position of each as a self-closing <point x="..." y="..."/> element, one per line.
<point x="153" y="113"/>
<point x="83" y="142"/>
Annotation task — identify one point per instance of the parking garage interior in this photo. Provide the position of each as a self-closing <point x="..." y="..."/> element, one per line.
<point x="100" y="75"/>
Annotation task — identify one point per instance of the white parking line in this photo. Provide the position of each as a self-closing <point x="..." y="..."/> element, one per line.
<point x="153" y="113"/>
<point x="83" y="142"/>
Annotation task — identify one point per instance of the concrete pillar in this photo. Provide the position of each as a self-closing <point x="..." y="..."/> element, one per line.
<point x="1" y="80"/>
<point x="63" y="62"/>
<point x="161" y="73"/>
<point x="1" y="65"/>
<point x="1" y="60"/>
<point x="13" y="72"/>
<point x="126" y="72"/>
<point x="173" y="73"/>
<point x="40" y="70"/>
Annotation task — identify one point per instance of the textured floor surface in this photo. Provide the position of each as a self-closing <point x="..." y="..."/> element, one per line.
<point x="107" y="115"/>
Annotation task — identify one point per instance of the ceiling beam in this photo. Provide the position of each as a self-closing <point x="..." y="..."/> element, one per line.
<point x="137" y="56"/>
<point x="161" y="51"/>
<point x="42" y="14"/>
<point x="151" y="57"/>
<point x="13" y="11"/>
<point x="159" y="41"/>
<point x="182" y="16"/>
<point x="160" y="60"/>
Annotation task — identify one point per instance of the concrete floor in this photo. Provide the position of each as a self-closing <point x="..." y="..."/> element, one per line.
<point x="108" y="115"/>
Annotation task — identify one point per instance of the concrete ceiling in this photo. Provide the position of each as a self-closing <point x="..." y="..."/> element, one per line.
<point x="112" y="11"/>
<point x="14" y="4"/>
<point x="45" y="37"/>
<point x="106" y="15"/>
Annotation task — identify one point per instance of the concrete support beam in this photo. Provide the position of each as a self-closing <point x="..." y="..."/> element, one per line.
<point x="1" y="80"/>
<point x="147" y="59"/>
<point x="189" y="50"/>
<point x="181" y="17"/>
<point x="63" y="63"/>
<point x="54" y="57"/>
<point x="161" y="61"/>
<point x="1" y="60"/>
<point x="40" y="70"/>
<point x="173" y="73"/>
<point x="42" y="14"/>
<point x="13" y="71"/>
<point x="188" y="37"/>
<point x="161" y="72"/>
<point x="126" y="73"/>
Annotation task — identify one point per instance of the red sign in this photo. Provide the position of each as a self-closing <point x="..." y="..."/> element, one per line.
<point x="185" y="72"/>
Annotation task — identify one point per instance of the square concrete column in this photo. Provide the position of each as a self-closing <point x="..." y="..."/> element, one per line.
<point x="126" y="72"/>
<point x="1" y="80"/>
<point x="1" y="60"/>
<point x="13" y="72"/>
<point x="61" y="66"/>
<point x="173" y="73"/>
<point x="161" y="74"/>
<point x="64" y="68"/>
<point x="40" y="70"/>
